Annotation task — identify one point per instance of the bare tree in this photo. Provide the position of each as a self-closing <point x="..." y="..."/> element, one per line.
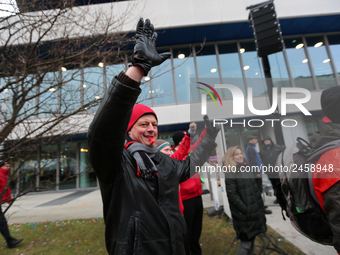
<point x="53" y="56"/>
<point x="55" y="65"/>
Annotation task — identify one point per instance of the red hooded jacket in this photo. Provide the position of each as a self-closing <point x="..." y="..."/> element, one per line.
<point x="3" y="181"/>
<point x="193" y="186"/>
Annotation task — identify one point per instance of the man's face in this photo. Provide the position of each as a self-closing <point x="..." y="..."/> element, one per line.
<point x="267" y="142"/>
<point x="145" y="127"/>
<point x="253" y="141"/>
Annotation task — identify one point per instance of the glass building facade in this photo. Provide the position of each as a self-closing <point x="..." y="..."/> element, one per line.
<point x="64" y="166"/>
<point x="311" y="62"/>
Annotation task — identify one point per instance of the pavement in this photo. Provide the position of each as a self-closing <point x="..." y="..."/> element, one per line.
<point x="52" y="206"/>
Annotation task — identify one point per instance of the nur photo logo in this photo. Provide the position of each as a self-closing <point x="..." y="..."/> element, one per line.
<point x="239" y="101"/>
<point x="204" y="97"/>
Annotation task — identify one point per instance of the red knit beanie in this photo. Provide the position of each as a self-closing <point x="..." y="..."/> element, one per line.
<point x="138" y="111"/>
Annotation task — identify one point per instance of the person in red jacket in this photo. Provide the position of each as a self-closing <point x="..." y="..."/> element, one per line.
<point x="190" y="190"/>
<point x="4" y="172"/>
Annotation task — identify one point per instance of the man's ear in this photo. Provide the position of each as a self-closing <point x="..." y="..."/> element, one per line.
<point x="129" y="133"/>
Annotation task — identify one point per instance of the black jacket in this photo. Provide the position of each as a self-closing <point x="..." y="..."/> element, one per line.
<point x="269" y="156"/>
<point x="246" y="204"/>
<point x="137" y="222"/>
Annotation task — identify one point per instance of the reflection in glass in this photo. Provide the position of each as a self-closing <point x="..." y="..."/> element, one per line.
<point x="28" y="85"/>
<point x="87" y="176"/>
<point x="28" y="169"/>
<point x="14" y="183"/>
<point x="48" y="166"/>
<point x="70" y="92"/>
<point x="7" y="97"/>
<point x="232" y="137"/>
<point x="300" y="70"/>
<point x="278" y="70"/>
<point x="320" y="62"/>
<point x="68" y="166"/>
<point x="253" y="69"/>
<point x="48" y="100"/>
<point x="334" y="45"/>
<point x="185" y="76"/>
<point x="112" y="71"/>
<point x="207" y="68"/>
<point x="93" y="85"/>
<point x="231" y="67"/>
<point x="147" y="93"/>
<point x="162" y="83"/>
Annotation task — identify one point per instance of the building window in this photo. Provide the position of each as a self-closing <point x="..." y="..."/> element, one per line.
<point x="231" y="67"/>
<point x="48" y="167"/>
<point x="68" y="166"/>
<point x="162" y="83"/>
<point x="278" y="70"/>
<point x="29" y="84"/>
<point x="298" y="63"/>
<point x="87" y="177"/>
<point x="112" y="71"/>
<point x="320" y="62"/>
<point x="167" y="136"/>
<point x="185" y="75"/>
<point x="28" y="169"/>
<point x="207" y="67"/>
<point x="93" y="85"/>
<point x="231" y="136"/>
<point x="145" y="96"/>
<point x="253" y="69"/>
<point x="70" y="90"/>
<point x="48" y="100"/>
<point x="334" y="45"/>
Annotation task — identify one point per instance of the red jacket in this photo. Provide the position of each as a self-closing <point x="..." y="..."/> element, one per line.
<point x="326" y="178"/>
<point x="3" y="181"/>
<point x="193" y="186"/>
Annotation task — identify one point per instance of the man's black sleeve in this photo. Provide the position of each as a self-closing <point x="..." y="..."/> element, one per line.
<point x="106" y="134"/>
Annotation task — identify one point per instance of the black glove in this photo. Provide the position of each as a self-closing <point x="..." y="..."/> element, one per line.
<point x="144" y="53"/>
<point x="211" y="130"/>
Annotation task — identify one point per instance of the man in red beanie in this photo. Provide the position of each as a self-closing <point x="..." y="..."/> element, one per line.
<point x="139" y="185"/>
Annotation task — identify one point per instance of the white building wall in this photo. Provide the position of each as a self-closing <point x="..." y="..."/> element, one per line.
<point x="182" y="13"/>
<point x="164" y="14"/>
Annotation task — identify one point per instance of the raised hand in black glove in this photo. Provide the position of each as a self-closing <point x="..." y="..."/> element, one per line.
<point x="144" y="53"/>
<point x="211" y="130"/>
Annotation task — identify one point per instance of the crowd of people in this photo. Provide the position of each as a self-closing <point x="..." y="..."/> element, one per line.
<point x="152" y="201"/>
